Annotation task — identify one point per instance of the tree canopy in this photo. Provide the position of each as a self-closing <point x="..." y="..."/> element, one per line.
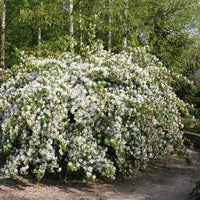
<point x="166" y="26"/>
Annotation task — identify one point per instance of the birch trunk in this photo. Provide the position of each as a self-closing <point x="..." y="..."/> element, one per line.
<point x="3" y="26"/>
<point x="39" y="35"/>
<point x="71" y="26"/>
<point x="125" y="27"/>
<point x="109" y="26"/>
<point x="80" y="23"/>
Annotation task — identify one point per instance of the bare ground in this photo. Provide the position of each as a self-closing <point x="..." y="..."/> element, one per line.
<point x="170" y="179"/>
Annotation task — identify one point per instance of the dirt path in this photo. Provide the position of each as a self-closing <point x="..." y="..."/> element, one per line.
<point x="171" y="179"/>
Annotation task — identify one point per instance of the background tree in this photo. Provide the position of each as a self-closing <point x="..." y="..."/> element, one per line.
<point x="163" y="25"/>
<point x="3" y="26"/>
<point x="168" y="23"/>
<point x="30" y="20"/>
<point x="71" y="25"/>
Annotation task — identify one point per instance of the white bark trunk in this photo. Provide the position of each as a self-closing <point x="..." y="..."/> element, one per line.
<point x="80" y="23"/>
<point x="125" y="29"/>
<point x="3" y="26"/>
<point x="71" y="26"/>
<point x="39" y="35"/>
<point x="109" y="26"/>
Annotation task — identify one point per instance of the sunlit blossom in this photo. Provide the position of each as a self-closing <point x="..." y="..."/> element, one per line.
<point x="105" y="112"/>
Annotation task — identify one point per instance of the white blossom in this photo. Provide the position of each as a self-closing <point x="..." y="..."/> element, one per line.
<point x="79" y="110"/>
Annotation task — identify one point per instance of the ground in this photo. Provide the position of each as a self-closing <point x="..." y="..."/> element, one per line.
<point x="170" y="179"/>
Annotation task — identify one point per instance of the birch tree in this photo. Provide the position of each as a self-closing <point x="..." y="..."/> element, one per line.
<point x="71" y="26"/>
<point x="80" y="23"/>
<point x="125" y="26"/>
<point x="3" y="26"/>
<point x="109" y="27"/>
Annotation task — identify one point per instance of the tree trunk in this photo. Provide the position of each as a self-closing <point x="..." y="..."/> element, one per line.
<point x="3" y="26"/>
<point x="125" y="29"/>
<point x="39" y="35"/>
<point x="71" y="26"/>
<point x="109" y="26"/>
<point x="80" y="23"/>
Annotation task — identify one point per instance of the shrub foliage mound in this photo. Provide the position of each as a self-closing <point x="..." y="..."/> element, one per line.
<point x="101" y="115"/>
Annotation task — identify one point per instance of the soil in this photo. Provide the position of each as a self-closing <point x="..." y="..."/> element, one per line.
<point x="168" y="179"/>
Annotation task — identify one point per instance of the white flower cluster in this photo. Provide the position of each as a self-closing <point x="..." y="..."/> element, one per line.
<point x="106" y="114"/>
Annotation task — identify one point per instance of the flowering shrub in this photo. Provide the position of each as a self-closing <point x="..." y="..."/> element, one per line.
<point x="104" y="114"/>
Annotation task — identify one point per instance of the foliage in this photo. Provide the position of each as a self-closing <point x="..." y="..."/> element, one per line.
<point x="163" y="25"/>
<point x="190" y="93"/>
<point x="51" y="48"/>
<point x="192" y="124"/>
<point x="195" y="194"/>
<point x="104" y="114"/>
<point x="24" y="18"/>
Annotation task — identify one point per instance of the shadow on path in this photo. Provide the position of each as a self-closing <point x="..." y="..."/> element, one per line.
<point x="168" y="179"/>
